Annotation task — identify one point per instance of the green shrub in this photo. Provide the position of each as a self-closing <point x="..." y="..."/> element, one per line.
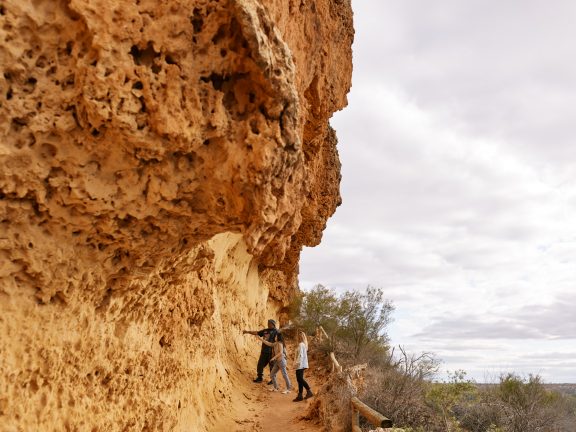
<point x="355" y="321"/>
<point x="447" y="398"/>
<point x="518" y="405"/>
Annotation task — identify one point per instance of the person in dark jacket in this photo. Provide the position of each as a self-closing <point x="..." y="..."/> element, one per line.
<point x="270" y="334"/>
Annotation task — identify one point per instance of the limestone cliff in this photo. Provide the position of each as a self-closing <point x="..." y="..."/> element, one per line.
<point x="161" y="166"/>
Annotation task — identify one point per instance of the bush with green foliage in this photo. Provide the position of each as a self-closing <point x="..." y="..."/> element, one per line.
<point x="517" y="404"/>
<point x="362" y="318"/>
<point x="448" y="396"/>
<point x="355" y="321"/>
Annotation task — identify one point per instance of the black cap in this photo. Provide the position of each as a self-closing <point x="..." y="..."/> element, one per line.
<point x="272" y="322"/>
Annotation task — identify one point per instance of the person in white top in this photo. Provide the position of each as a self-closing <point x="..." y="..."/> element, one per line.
<point x="301" y="364"/>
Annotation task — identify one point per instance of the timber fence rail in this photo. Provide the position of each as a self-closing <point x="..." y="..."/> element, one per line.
<point x="373" y="416"/>
<point x="358" y="407"/>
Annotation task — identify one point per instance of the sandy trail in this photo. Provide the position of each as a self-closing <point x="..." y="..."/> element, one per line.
<point x="259" y="410"/>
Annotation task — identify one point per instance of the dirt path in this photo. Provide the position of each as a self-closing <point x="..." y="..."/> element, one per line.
<point x="261" y="410"/>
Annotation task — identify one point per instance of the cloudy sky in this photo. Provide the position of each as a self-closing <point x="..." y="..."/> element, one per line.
<point x="459" y="181"/>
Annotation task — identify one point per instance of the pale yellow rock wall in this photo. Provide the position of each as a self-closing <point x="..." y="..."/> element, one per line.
<point x="161" y="166"/>
<point x="156" y="357"/>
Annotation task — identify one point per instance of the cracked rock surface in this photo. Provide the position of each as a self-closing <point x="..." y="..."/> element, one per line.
<point x="161" y="166"/>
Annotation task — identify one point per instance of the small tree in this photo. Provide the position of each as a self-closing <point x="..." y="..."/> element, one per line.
<point x="318" y="308"/>
<point x="362" y="318"/>
<point x="445" y="397"/>
<point x="525" y="404"/>
<point x="355" y="321"/>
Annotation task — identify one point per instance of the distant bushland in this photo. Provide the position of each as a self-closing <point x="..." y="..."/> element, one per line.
<point x="402" y="385"/>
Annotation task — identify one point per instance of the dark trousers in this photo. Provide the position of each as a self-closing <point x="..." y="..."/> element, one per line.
<point x="264" y="359"/>
<point x="302" y="384"/>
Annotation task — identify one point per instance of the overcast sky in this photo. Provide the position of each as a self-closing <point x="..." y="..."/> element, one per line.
<point x="459" y="181"/>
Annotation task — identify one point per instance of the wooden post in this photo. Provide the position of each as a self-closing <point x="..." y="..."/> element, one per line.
<point x="355" y="420"/>
<point x="335" y="363"/>
<point x="371" y="415"/>
<point x="320" y="331"/>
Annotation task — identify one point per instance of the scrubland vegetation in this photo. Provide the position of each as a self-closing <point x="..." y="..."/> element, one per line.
<point x="403" y="385"/>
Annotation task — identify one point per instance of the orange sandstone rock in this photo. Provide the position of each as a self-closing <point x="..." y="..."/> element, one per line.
<point x="161" y="166"/>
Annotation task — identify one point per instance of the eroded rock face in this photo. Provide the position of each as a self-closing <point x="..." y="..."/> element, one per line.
<point x="161" y="166"/>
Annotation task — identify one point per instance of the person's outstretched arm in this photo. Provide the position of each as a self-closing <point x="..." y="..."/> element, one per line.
<point x="252" y="332"/>
<point x="265" y="342"/>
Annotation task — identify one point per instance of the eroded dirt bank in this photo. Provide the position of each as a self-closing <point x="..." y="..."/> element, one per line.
<point x="161" y="166"/>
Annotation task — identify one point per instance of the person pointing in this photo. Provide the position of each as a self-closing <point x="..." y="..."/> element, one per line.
<point x="270" y="334"/>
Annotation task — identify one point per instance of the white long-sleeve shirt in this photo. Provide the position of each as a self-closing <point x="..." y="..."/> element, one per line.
<point x="301" y="361"/>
